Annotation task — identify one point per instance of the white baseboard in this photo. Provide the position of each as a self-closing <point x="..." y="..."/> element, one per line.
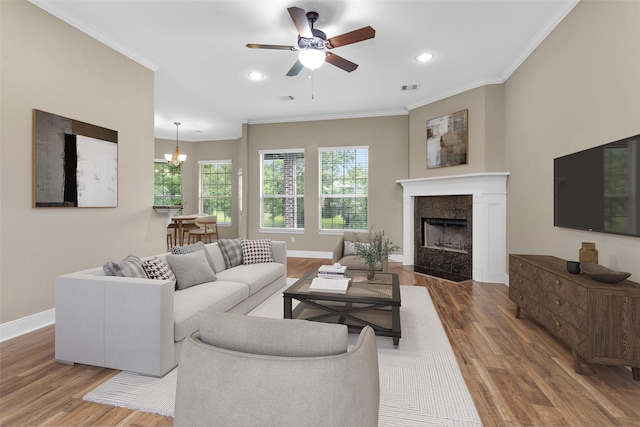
<point x="18" y="327"/>
<point x="309" y="254"/>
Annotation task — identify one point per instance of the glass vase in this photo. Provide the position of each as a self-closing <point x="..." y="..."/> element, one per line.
<point x="371" y="272"/>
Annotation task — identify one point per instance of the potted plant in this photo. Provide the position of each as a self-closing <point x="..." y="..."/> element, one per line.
<point x="375" y="250"/>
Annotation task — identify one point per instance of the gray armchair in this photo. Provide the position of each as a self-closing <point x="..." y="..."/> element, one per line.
<point x="347" y="257"/>
<point x="251" y="371"/>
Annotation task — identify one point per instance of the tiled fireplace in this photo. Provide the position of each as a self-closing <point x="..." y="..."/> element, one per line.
<point x="442" y="232"/>
<point x="455" y="226"/>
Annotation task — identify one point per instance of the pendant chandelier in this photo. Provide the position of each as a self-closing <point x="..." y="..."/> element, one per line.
<point x="176" y="158"/>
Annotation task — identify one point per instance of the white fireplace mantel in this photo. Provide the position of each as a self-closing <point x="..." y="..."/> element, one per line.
<point x="489" y="191"/>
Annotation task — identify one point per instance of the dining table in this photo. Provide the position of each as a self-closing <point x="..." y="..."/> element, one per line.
<point x="179" y="221"/>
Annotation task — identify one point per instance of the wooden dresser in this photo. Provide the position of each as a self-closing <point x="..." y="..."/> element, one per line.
<point x="600" y="322"/>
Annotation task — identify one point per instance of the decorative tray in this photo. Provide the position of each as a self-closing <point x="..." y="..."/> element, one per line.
<point x="603" y="274"/>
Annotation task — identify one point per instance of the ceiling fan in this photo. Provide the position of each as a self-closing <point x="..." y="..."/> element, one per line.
<point x="313" y="42"/>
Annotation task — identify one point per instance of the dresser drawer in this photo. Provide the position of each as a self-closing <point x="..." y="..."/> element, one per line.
<point x="563" y="288"/>
<point x="563" y="330"/>
<point x="565" y="310"/>
<point x="523" y="301"/>
<point x="524" y="269"/>
<point x="524" y="285"/>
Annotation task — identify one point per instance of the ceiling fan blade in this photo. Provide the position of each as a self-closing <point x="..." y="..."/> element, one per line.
<point x="295" y="70"/>
<point x="340" y="62"/>
<point x="270" y="46"/>
<point x="301" y="22"/>
<point x="356" y="36"/>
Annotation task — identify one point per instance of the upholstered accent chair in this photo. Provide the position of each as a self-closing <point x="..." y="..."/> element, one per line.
<point x="344" y="252"/>
<point x="243" y="370"/>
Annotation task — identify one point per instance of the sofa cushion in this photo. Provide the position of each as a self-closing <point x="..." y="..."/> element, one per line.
<point x="257" y="276"/>
<point x="273" y="337"/>
<point x="191" y="269"/>
<point x="198" y="246"/>
<point x="255" y="251"/>
<point x="131" y="266"/>
<point x="216" y="296"/>
<point x="231" y="251"/>
<point x="158" y="269"/>
<point x="216" y="256"/>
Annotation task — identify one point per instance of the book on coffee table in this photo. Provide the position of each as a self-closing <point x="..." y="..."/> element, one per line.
<point x="338" y="286"/>
<point x="332" y="272"/>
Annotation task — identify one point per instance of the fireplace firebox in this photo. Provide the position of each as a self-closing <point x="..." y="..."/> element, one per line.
<point x="446" y="234"/>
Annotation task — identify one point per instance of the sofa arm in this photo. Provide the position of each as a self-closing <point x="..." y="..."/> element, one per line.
<point x="116" y="322"/>
<point x="279" y="252"/>
<point x="338" y="250"/>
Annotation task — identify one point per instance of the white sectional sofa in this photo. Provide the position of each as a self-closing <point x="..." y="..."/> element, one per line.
<point x="139" y="324"/>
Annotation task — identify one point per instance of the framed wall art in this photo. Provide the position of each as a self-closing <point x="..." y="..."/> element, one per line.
<point x="75" y="164"/>
<point x="447" y="140"/>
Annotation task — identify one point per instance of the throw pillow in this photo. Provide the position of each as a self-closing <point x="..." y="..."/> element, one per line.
<point x="191" y="269"/>
<point x="131" y="266"/>
<point x="198" y="246"/>
<point x="256" y="251"/>
<point x="231" y="251"/>
<point x="349" y="248"/>
<point x="158" y="269"/>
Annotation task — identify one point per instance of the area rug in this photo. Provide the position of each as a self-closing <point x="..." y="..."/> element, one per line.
<point x="420" y="381"/>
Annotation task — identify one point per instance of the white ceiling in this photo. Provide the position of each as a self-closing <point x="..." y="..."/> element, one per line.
<point x="197" y="50"/>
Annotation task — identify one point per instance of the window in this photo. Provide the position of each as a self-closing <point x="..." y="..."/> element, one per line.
<point x="282" y="189"/>
<point x="344" y="186"/>
<point x="619" y="176"/>
<point x="215" y="189"/>
<point x="167" y="184"/>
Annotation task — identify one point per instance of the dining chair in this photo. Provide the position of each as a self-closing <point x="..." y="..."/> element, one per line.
<point x="169" y="239"/>
<point x="207" y="228"/>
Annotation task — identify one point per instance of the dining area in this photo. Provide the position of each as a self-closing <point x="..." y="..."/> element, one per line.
<point x="186" y="229"/>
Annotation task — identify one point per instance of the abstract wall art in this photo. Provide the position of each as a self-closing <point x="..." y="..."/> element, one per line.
<point x="447" y="140"/>
<point x="75" y="164"/>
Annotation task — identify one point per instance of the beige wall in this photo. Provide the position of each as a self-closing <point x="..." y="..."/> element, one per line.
<point x="579" y="89"/>
<point x="485" y="151"/>
<point x="388" y="162"/>
<point x="53" y="67"/>
<point x="386" y="138"/>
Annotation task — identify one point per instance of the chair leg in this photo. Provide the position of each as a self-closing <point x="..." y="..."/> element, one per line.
<point x="169" y="241"/>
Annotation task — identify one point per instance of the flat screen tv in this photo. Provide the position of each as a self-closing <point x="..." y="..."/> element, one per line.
<point x="598" y="189"/>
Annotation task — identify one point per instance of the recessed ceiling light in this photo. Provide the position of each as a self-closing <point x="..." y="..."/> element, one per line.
<point x="424" y="57"/>
<point x="256" y="75"/>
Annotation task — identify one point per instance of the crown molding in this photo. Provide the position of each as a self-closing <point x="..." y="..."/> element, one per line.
<point x="319" y="117"/>
<point x="562" y="12"/>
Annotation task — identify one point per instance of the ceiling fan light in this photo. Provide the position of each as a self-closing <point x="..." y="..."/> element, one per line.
<point x="312" y="58"/>
<point x="424" y="57"/>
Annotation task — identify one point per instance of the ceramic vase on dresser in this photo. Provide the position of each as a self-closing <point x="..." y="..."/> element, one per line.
<point x="588" y="253"/>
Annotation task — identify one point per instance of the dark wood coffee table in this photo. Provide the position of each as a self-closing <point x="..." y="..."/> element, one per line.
<point x="375" y="303"/>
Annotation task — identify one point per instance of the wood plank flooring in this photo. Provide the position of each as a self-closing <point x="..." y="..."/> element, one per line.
<point x="518" y="374"/>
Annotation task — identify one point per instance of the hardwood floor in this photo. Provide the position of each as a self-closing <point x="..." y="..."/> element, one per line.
<point x="517" y="373"/>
